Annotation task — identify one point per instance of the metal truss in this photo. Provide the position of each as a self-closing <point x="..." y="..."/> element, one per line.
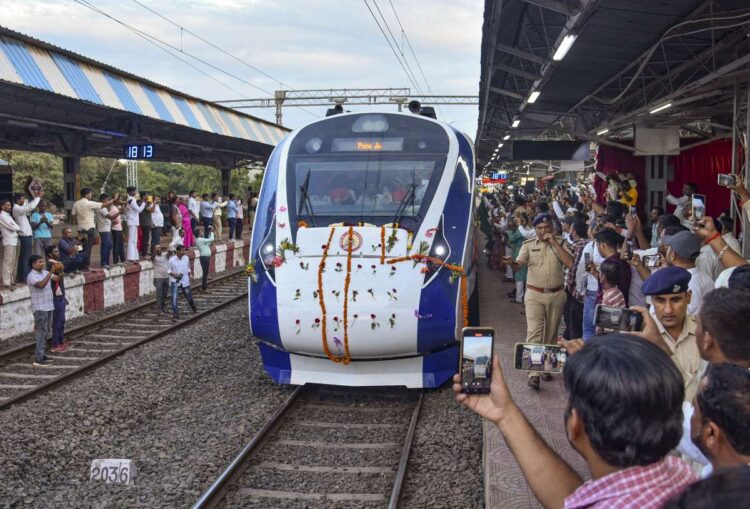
<point x="692" y="71"/>
<point x="340" y="96"/>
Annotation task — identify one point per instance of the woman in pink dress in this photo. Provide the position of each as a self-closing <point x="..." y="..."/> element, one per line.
<point x="189" y="240"/>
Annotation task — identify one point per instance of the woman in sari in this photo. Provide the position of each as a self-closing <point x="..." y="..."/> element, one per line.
<point x="189" y="239"/>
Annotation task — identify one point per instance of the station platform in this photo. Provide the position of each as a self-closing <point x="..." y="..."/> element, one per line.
<point x="504" y="484"/>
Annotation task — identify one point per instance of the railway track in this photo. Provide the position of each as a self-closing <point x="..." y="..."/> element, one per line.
<point x="98" y="342"/>
<point x="325" y="446"/>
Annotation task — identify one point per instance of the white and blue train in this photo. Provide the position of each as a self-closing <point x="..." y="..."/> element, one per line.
<point x="342" y="292"/>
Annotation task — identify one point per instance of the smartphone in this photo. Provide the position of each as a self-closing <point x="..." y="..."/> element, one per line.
<point x="699" y="206"/>
<point x="620" y="319"/>
<point x="587" y="259"/>
<point x="651" y="261"/>
<point x="537" y="357"/>
<point x="633" y="211"/>
<point x="727" y="179"/>
<point x="476" y="359"/>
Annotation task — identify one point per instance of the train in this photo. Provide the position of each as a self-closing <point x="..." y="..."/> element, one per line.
<point x="362" y="267"/>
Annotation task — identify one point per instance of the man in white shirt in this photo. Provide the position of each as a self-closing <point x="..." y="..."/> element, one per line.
<point x="21" y="211"/>
<point x="194" y="207"/>
<point x="133" y="220"/>
<point x="157" y="223"/>
<point x="179" y="279"/>
<point x="687" y="190"/>
<point x="104" y="226"/>
<point x="85" y="212"/>
<point x="9" y="229"/>
<point x="682" y="251"/>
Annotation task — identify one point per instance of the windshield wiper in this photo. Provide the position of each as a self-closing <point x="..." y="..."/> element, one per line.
<point x="405" y="202"/>
<point x="306" y="202"/>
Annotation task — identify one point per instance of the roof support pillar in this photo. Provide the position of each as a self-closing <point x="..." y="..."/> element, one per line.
<point x="71" y="180"/>
<point x="226" y="181"/>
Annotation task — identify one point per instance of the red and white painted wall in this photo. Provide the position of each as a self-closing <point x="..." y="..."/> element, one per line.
<point x="101" y="288"/>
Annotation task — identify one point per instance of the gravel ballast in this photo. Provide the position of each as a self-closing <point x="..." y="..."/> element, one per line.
<point x="181" y="407"/>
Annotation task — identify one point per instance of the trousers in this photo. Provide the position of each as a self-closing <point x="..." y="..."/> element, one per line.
<point x="217" y="227"/>
<point x="118" y="247"/>
<point x="186" y="292"/>
<point x="573" y="317"/>
<point x="132" y="243"/>
<point x="206" y="223"/>
<point x="589" y="309"/>
<point x="25" y="244"/>
<point x="232" y="226"/>
<point x="9" y="265"/>
<point x="145" y="239"/>
<point x="155" y="236"/>
<point x="42" y="323"/>
<point x="106" y="247"/>
<point x="162" y="293"/>
<point x="88" y="246"/>
<point x="40" y="246"/>
<point x="205" y="262"/>
<point x="58" y="320"/>
<point x="238" y="228"/>
<point x="543" y="313"/>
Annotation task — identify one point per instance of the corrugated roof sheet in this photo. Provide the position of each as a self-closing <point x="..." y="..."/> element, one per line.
<point x="36" y="64"/>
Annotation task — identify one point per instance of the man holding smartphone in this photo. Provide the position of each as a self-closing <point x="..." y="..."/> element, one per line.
<point x="614" y="384"/>
<point x="546" y="257"/>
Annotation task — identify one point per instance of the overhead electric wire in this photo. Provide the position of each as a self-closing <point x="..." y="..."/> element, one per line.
<point x="161" y="44"/>
<point x="220" y="49"/>
<point x="393" y="38"/>
<point x="395" y="53"/>
<point x="413" y="53"/>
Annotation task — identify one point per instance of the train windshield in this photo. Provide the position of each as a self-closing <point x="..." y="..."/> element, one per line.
<point x="370" y="168"/>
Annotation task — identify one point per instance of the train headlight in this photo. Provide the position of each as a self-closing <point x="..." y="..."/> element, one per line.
<point x="268" y="248"/>
<point x="313" y="145"/>
<point x="440" y="251"/>
<point x="373" y="123"/>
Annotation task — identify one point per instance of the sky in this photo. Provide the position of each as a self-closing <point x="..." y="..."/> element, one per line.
<point x="305" y="44"/>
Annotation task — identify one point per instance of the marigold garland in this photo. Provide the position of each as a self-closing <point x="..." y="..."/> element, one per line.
<point x="382" y="245"/>
<point x="321" y="298"/>
<point x="350" y="241"/>
<point x="456" y="270"/>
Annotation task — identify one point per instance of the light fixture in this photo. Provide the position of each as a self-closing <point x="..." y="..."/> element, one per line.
<point x="500" y="146"/>
<point x="564" y="46"/>
<point x="660" y="108"/>
<point x="515" y="123"/>
<point x="506" y="137"/>
<point x="533" y="96"/>
<point x="23" y="123"/>
<point x="603" y="131"/>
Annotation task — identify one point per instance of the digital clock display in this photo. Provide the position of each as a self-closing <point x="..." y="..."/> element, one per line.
<point x="139" y="151"/>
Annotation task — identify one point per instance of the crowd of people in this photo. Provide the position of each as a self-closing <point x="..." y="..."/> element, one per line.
<point x="127" y="227"/>
<point x="659" y="411"/>
<point x="31" y="256"/>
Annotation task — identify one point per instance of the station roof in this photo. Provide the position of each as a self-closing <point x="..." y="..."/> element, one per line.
<point x="627" y="59"/>
<point x="57" y="101"/>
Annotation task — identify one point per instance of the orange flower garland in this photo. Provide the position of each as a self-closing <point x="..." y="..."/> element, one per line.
<point x="382" y="245"/>
<point x="350" y="241"/>
<point x="323" y="328"/>
<point x="457" y="269"/>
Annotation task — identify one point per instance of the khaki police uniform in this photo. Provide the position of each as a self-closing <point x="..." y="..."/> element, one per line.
<point x="545" y="298"/>
<point x="685" y="354"/>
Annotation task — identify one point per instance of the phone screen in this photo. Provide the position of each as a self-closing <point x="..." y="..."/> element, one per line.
<point x="619" y="319"/>
<point x="699" y="206"/>
<point x="476" y="360"/>
<point x="536" y="357"/>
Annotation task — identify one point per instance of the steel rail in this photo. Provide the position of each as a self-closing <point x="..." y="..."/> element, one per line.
<point x="80" y="329"/>
<point x="103" y="359"/>
<point x="405" y="453"/>
<point x="218" y="489"/>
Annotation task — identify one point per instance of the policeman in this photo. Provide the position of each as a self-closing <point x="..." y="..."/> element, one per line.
<point x="546" y="257"/>
<point x="670" y="297"/>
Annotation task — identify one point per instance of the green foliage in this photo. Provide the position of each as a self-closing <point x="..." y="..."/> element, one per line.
<point x="154" y="177"/>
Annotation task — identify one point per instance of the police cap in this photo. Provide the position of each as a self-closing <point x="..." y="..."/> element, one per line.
<point x="667" y="281"/>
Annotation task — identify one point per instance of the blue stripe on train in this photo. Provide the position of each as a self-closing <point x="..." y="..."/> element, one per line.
<point x="437" y="301"/>
<point x="264" y="315"/>
<point x="438" y="367"/>
<point x="277" y="363"/>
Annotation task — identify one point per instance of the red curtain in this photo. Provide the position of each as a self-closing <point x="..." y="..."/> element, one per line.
<point x="616" y="160"/>
<point x="700" y="165"/>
